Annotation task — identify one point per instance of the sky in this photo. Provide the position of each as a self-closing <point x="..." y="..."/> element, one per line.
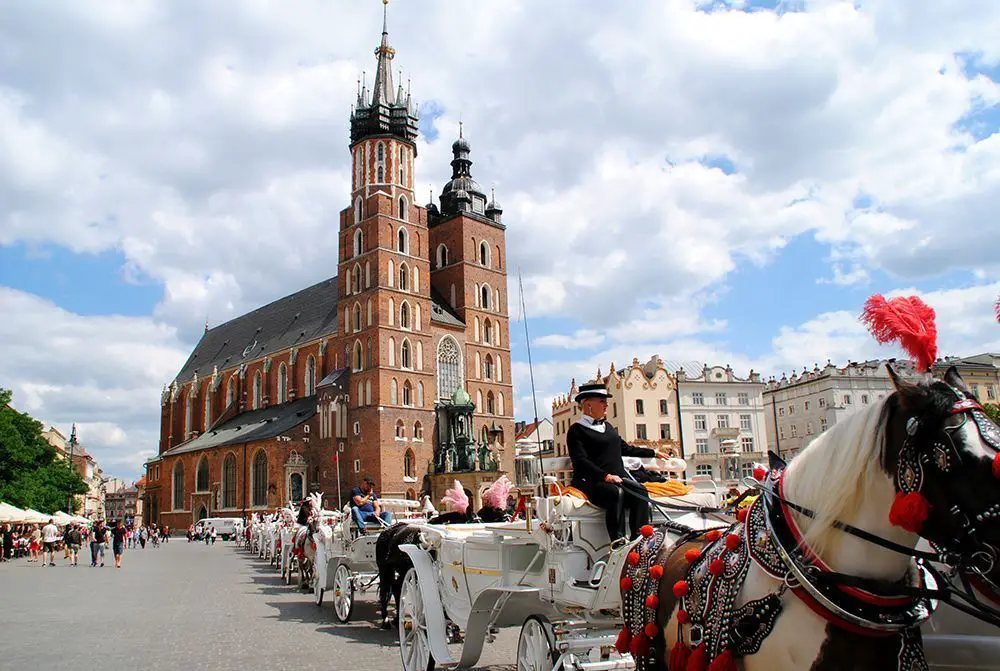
<point x="717" y="181"/>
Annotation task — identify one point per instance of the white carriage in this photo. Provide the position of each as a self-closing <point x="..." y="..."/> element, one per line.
<point x="345" y="558"/>
<point x="556" y="576"/>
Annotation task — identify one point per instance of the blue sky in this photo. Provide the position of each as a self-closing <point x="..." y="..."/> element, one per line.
<point x="715" y="181"/>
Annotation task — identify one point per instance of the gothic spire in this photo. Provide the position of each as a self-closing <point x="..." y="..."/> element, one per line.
<point x="383" y="92"/>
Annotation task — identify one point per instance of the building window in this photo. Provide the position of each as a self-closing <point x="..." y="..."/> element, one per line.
<point x="847" y="399"/>
<point x="178" y="491"/>
<point x="230" y="391"/>
<point x="407" y="394"/>
<point x="822" y="402"/>
<point x="357" y="428"/>
<point x="484" y="297"/>
<point x="746" y="469"/>
<point x="722" y="421"/>
<point x="259" y="479"/>
<point x="809" y="428"/>
<point x="357" y="465"/>
<point x="781" y="432"/>
<point x="781" y="412"/>
<point x="664" y="408"/>
<point x="356" y="321"/>
<point x="208" y="408"/>
<point x="488" y="367"/>
<point x="746" y="442"/>
<point x="402" y="241"/>
<point x="442" y="258"/>
<point x="805" y="406"/>
<point x="418" y="431"/>
<point x="402" y="208"/>
<point x="639" y="410"/>
<point x="791" y="409"/>
<point x="229" y="482"/>
<point x="201" y="476"/>
<point x="491" y="404"/>
<point x="794" y="429"/>
<point x="864" y="399"/>
<point x="359" y="356"/>
<point x="403" y="277"/>
<point x="359" y="239"/>
<point x="720" y="398"/>
<point x="282" y="383"/>
<point x="487" y="331"/>
<point x="822" y="424"/>
<point x="700" y="423"/>
<point x="409" y="465"/>
<point x="404" y="315"/>
<point x="743" y="398"/>
<point x="664" y="432"/>
<point x="704" y="470"/>
<point x="991" y="393"/>
<point x="701" y="445"/>
<point x="400" y="429"/>
<point x="405" y="359"/>
<point x="257" y="402"/>
<point x="484" y="254"/>
<point x="640" y="432"/>
<point x="745" y="422"/>
<point x="449" y="365"/>
<point x="311" y="376"/>
<point x="697" y="398"/>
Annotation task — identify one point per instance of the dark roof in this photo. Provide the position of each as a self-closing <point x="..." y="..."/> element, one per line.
<point x="442" y="312"/>
<point x="338" y="380"/>
<point x="252" y="426"/>
<point x="295" y="319"/>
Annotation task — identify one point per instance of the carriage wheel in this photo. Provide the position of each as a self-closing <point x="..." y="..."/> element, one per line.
<point x="343" y="594"/>
<point x="536" y="646"/>
<point x="414" y="647"/>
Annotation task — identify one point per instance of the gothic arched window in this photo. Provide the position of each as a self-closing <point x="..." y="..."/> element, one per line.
<point x="442" y="255"/>
<point x="449" y="367"/>
<point x="358" y="356"/>
<point x="405" y="358"/>
<point x="356" y="322"/>
<point x="402" y="208"/>
<point x="409" y="465"/>
<point x="201" y="476"/>
<point x="488" y="367"/>
<point x="484" y="254"/>
<point x="402" y="241"/>
<point x="282" y="383"/>
<point x="407" y="393"/>
<point x="229" y="482"/>
<point x="400" y="429"/>
<point x="310" y="376"/>
<point x="484" y="297"/>
<point x="491" y="403"/>
<point x="359" y="238"/>
<point x="259" y="479"/>
<point x="178" y="489"/>
<point x="403" y="280"/>
<point x="231" y="391"/>
<point x="257" y="391"/>
<point x="487" y="331"/>
<point x="208" y="407"/>
<point x="404" y="315"/>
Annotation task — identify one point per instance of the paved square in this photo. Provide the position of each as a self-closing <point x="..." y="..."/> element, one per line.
<point x="187" y="606"/>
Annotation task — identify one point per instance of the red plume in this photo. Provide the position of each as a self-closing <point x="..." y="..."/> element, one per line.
<point x="997" y="308"/>
<point x="906" y="319"/>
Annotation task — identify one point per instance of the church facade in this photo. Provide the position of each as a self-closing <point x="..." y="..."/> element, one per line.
<point x="398" y="367"/>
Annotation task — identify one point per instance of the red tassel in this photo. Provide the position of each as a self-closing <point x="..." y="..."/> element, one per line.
<point x="679" y="656"/>
<point x="694" y="555"/>
<point x="732" y="541"/>
<point x="633" y="558"/>
<point x="680" y="589"/>
<point x="646" y="530"/>
<point x="656" y="572"/>
<point x="717" y="567"/>
<point x="906" y="319"/>
<point x="996" y="466"/>
<point x="624" y="641"/>
<point x="713" y="535"/>
<point x="640" y="646"/>
<point x="909" y="511"/>
<point x="652" y="630"/>
<point x="698" y="661"/>
<point x="683" y="617"/>
<point x="724" y="662"/>
<point x="652" y="602"/>
<point x="759" y="474"/>
<point x="626" y="583"/>
<point x="741" y="514"/>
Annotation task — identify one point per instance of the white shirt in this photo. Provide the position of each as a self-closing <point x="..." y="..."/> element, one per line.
<point x="588" y="421"/>
<point x="50" y="533"/>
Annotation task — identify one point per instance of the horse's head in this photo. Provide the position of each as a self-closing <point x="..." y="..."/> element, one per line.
<point x="942" y="451"/>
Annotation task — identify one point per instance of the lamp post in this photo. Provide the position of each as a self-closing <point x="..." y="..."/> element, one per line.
<point x="72" y="444"/>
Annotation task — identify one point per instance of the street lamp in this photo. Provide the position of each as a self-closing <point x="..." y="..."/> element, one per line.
<point x="72" y="443"/>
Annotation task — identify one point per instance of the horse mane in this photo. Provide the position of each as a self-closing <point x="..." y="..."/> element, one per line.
<point x="838" y="469"/>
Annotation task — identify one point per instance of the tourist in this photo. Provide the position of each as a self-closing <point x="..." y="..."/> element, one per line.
<point x="118" y="542"/>
<point x="74" y="539"/>
<point x="213" y="534"/>
<point x="35" y="542"/>
<point x="8" y="543"/>
<point x="365" y="505"/>
<point x="142" y="538"/>
<point x="50" y="536"/>
<point x="98" y="538"/>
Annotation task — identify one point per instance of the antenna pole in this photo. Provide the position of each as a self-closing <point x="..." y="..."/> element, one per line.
<point x="534" y="399"/>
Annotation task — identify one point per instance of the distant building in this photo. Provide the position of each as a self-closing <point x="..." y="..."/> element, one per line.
<point x="123" y="504"/>
<point x="532" y="442"/>
<point x="57" y="440"/>
<point x="723" y="422"/>
<point x="980" y="372"/>
<point x="90" y="504"/>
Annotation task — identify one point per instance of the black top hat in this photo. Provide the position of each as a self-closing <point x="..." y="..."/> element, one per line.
<point x="594" y="390"/>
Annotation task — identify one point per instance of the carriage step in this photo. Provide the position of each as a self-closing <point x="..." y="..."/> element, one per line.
<point x="585" y="642"/>
<point x="625" y="663"/>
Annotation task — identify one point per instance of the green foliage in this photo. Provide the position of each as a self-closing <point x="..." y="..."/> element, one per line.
<point x="993" y="411"/>
<point x="30" y="474"/>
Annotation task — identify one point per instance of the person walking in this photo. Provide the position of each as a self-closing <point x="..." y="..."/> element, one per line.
<point x="118" y="542"/>
<point x="142" y="538"/>
<point x="205" y="536"/>
<point x="50" y="536"/>
<point x="97" y="540"/>
<point x="8" y="543"/>
<point x="213" y="534"/>
<point x="73" y="541"/>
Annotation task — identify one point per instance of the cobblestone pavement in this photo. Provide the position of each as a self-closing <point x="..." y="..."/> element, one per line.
<point x="187" y="606"/>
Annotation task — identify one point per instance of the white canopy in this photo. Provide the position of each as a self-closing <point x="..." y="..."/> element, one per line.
<point x="9" y="513"/>
<point x="34" y="517"/>
<point x="62" y="519"/>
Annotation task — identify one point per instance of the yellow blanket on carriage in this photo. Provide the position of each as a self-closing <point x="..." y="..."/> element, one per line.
<point x="655" y="489"/>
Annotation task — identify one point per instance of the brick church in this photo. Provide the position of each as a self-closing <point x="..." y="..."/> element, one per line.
<point x="398" y="367"/>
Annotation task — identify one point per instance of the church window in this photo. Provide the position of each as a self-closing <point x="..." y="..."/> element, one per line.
<point x="178" y="489"/>
<point x="356" y="323"/>
<point x="368" y="275"/>
<point x="402" y="241"/>
<point x="368" y="310"/>
<point x="449" y="367"/>
<point x="479" y="400"/>
<point x="405" y="360"/>
<point x="418" y="430"/>
<point x="358" y="356"/>
<point x="499" y="265"/>
<point x="487" y="331"/>
<point x="484" y="297"/>
<point x="310" y="376"/>
<point x="403" y="276"/>
<point x="488" y="367"/>
<point x="400" y="429"/>
<point x="356" y="279"/>
<point x="484" y="254"/>
<point x="392" y="351"/>
<point x="409" y="465"/>
<point x="231" y="391"/>
<point x="208" y="407"/>
<point x="479" y="367"/>
<point x="404" y="315"/>
<point x="407" y="393"/>
<point x="416" y="316"/>
<point x="416" y="280"/>
<point x="368" y="392"/>
<point x="201" y="476"/>
<point x="359" y="239"/>
<point x="420" y="394"/>
<point x="358" y="215"/>
<point x="403" y="208"/>
<point x="380" y="152"/>
<point x="188" y="412"/>
<point x="358" y="163"/>
<point x="361" y="397"/>
<point x="229" y="482"/>
<point x="257" y="391"/>
<point x="259" y="476"/>
<point x="393" y="392"/>
<point x="392" y="273"/>
<point x="420" y="355"/>
<point x="499" y="368"/>
<point x="369" y="353"/>
<point x="380" y="163"/>
<point x="496" y="300"/>
<point x="476" y="329"/>
<point x="491" y="404"/>
<point x="500" y="404"/>
<point x="392" y="311"/>
<point x="282" y="383"/>
<point x="402" y="166"/>
<point x="442" y="256"/>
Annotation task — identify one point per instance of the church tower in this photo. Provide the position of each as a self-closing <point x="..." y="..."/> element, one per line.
<point x="384" y="285"/>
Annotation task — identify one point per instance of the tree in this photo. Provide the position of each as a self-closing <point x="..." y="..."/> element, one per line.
<point x="993" y="411"/>
<point x="31" y="475"/>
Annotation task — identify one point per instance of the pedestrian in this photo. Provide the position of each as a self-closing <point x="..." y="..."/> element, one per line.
<point x="35" y="544"/>
<point x="118" y="543"/>
<point x="213" y="534"/>
<point x="73" y="541"/>
<point x="97" y="540"/>
<point x="8" y="543"/>
<point x="50" y="536"/>
<point x="142" y="538"/>
<point x="205" y="535"/>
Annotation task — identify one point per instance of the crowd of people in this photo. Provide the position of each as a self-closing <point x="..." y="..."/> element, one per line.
<point x="41" y="542"/>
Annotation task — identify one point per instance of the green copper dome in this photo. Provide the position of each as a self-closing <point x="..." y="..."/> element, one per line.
<point x="461" y="397"/>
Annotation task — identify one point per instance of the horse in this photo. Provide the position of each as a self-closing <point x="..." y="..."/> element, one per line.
<point x="303" y="545"/>
<point x="719" y="600"/>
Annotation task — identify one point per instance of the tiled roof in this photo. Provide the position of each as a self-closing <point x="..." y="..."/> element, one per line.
<point x="442" y="312"/>
<point x="528" y="430"/>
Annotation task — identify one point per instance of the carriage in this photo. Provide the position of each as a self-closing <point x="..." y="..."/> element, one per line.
<point x="555" y="575"/>
<point x="345" y="559"/>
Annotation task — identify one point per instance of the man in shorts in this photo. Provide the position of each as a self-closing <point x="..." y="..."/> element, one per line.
<point x="50" y="536"/>
<point x="73" y="541"/>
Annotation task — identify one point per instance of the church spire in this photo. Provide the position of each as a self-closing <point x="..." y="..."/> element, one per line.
<point x="383" y="93"/>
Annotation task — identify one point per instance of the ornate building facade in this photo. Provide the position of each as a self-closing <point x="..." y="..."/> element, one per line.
<point x="365" y="373"/>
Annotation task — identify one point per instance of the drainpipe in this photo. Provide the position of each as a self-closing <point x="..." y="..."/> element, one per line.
<point x="777" y="433"/>
<point x="680" y="424"/>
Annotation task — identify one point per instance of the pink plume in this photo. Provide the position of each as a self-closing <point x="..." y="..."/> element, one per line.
<point x="906" y="319"/>
<point x="456" y="499"/>
<point x="997" y="308"/>
<point x="496" y="495"/>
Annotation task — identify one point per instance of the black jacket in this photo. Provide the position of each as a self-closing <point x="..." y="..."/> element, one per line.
<point x="595" y="455"/>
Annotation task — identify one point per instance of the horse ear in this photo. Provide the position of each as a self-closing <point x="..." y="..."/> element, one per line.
<point x="774" y="462"/>
<point x="953" y="378"/>
<point x="910" y="395"/>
